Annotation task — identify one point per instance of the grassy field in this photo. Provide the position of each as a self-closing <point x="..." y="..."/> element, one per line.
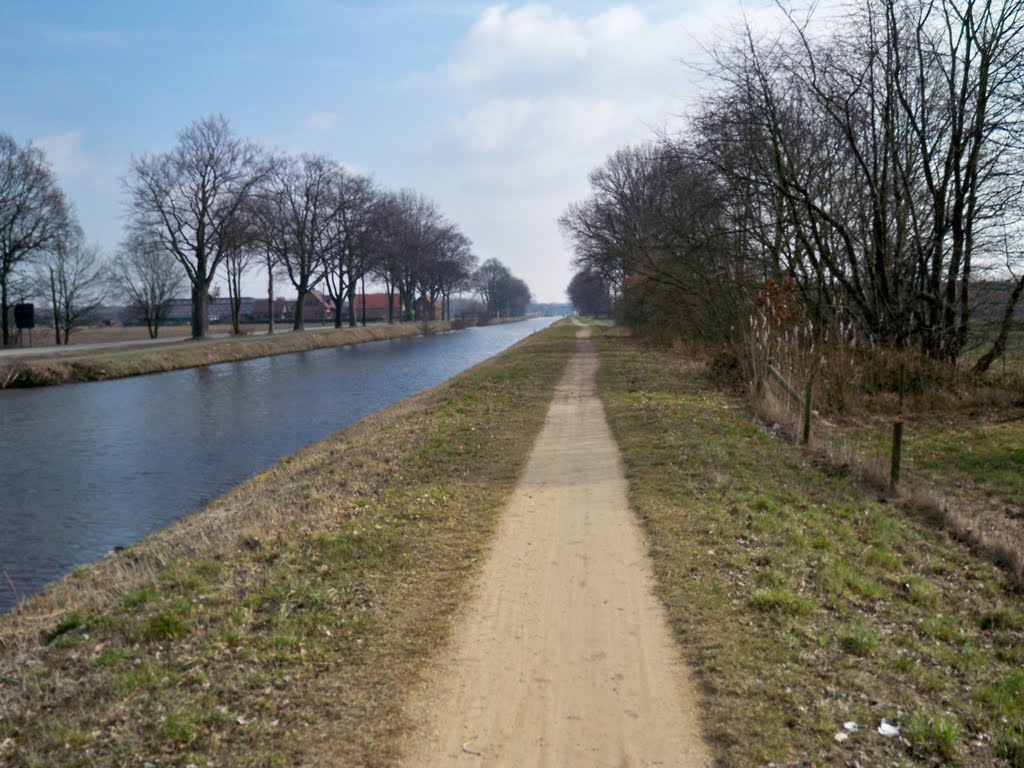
<point x="42" y="338"/>
<point x="284" y="624"/>
<point x="962" y="455"/>
<point x="803" y="601"/>
<point x="63" y="365"/>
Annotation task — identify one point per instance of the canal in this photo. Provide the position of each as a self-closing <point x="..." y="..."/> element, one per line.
<point x="88" y="467"/>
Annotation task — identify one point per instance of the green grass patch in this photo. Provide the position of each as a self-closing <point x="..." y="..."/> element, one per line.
<point x="960" y="455"/>
<point x="935" y="734"/>
<point x="779" y="600"/>
<point x="70" y="622"/>
<point x="801" y="600"/>
<point x="166" y="625"/>
<point x="858" y="641"/>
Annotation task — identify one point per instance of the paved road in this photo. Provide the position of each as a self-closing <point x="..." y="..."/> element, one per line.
<point x="74" y="350"/>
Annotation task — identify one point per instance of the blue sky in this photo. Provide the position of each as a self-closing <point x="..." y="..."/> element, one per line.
<point x="497" y="112"/>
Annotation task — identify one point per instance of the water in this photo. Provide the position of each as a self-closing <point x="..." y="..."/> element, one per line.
<point x="87" y="467"/>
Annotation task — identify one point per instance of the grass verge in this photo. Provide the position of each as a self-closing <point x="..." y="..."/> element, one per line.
<point x="804" y="603"/>
<point x="284" y="624"/>
<point x="963" y="455"/>
<point x="119" y="363"/>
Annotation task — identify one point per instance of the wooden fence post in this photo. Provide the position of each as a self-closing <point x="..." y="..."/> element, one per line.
<point x="897" y="437"/>
<point x="897" y="454"/>
<point x="805" y="438"/>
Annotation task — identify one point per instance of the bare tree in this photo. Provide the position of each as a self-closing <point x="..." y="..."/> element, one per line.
<point x="489" y="281"/>
<point x="190" y="197"/>
<point x="408" y="238"/>
<point x="261" y="214"/>
<point x="589" y="294"/>
<point x="237" y="261"/>
<point x="71" y="277"/>
<point x="272" y="264"/>
<point x="34" y="216"/>
<point x="504" y="294"/>
<point x="386" y="243"/>
<point x="654" y="232"/>
<point x="452" y="269"/>
<point x="300" y="221"/>
<point x="147" y="276"/>
<point x="351" y="255"/>
<point x="242" y="252"/>
<point x="875" y="165"/>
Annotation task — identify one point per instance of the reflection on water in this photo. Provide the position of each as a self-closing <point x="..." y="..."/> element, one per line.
<point x="87" y="467"/>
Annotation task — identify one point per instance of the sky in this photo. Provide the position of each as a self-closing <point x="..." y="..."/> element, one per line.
<point x="495" y="112"/>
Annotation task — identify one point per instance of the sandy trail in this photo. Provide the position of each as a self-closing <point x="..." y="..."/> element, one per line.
<point x="564" y="657"/>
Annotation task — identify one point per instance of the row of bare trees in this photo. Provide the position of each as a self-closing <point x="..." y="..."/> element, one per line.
<point x="873" y="162"/>
<point x="503" y="294"/>
<point x="219" y="204"/>
<point x="213" y="208"/>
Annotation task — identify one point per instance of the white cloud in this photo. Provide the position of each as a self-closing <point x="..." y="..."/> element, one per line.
<point x="537" y="98"/>
<point x="493" y="124"/>
<point x="505" y="41"/>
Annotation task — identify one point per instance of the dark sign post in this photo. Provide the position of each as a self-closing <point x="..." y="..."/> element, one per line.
<point x="25" y="317"/>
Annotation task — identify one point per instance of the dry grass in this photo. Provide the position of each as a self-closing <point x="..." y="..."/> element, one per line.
<point x="63" y="367"/>
<point x="803" y="600"/>
<point x="284" y="624"/>
<point x="962" y="458"/>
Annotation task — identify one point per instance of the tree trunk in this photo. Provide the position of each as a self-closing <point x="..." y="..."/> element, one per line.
<point x="56" y="308"/>
<point x="200" y="309"/>
<point x="269" y="294"/>
<point x="391" y="302"/>
<point x="350" y="290"/>
<point x="999" y="345"/>
<point x="270" y="298"/>
<point x="362" y="292"/>
<point x="4" y="310"/>
<point x="235" y="299"/>
<point x="299" y="324"/>
<point x="338" y="302"/>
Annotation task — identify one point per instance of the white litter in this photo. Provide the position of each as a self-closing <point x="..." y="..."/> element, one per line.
<point x="888" y="729"/>
<point x="851" y="726"/>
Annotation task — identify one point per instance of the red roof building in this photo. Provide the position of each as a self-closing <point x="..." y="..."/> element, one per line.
<point x="377" y="307"/>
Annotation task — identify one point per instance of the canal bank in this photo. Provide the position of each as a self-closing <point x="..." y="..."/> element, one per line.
<point x="66" y="365"/>
<point x="100" y="465"/>
<point x="298" y="607"/>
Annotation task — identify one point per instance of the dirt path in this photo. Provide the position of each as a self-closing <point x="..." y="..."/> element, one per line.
<point x="563" y="658"/>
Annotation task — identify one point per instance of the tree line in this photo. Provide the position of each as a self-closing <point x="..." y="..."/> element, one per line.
<point x="866" y="172"/>
<point x="214" y="207"/>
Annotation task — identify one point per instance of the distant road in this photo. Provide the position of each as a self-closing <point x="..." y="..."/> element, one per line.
<point x="72" y="350"/>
